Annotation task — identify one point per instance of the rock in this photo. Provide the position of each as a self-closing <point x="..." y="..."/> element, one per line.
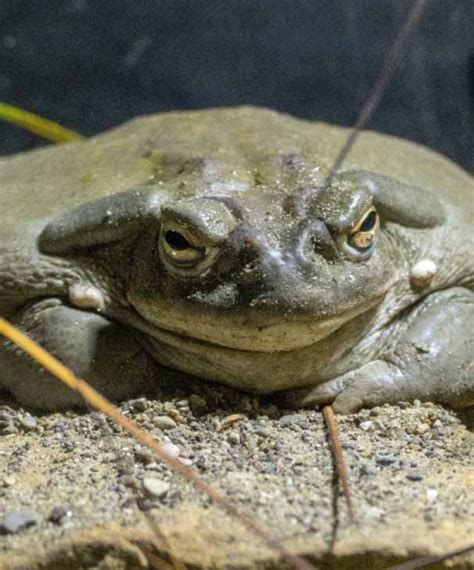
<point x="155" y="487"/>
<point x="28" y="422"/>
<point x="233" y="437"/>
<point x="130" y="481"/>
<point x="431" y="494"/>
<point x="164" y="422"/>
<point x="59" y="513"/>
<point x="292" y="419"/>
<point x="139" y="405"/>
<point x="263" y="432"/>
<point x="366" y="426"/>
<point x="414" y="476"/>
<point x="422" y="428"/>
<point x="171" y="449"/>
<point x="8" y="428"/>
<point x="7" y="421"/>
<point x="385" y="458"/>
<point x="144" y="456"/>
<point x="16" y="521"/>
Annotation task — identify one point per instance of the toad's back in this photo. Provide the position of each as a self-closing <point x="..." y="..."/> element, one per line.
<point x="224" y="151"/>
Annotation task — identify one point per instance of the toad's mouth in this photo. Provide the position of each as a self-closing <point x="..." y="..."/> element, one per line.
<point x="242" y="334"/>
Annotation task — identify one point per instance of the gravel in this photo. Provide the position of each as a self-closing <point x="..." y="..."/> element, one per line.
<point x="75" y="473"/>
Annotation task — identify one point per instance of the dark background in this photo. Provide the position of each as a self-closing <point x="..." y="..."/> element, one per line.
<point x="91" y="64"/>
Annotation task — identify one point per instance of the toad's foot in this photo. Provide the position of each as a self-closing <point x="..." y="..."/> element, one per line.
<point x="431" y="362"/>
<point x="103" y="353"/>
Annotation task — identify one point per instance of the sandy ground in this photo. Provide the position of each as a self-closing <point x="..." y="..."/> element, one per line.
<point x="76" y="492"/>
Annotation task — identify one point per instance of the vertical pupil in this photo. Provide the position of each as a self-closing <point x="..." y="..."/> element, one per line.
<point x="176" y="240"/>
<point x="369" y="222"/>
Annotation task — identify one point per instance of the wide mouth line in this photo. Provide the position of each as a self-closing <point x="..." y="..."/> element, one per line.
<point x="156" y="330"/>
<point x="221" y="346"/>
<point x="159" y="332"/>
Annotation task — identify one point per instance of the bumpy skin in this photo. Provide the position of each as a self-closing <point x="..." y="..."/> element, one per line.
<point x="277" y="302"/>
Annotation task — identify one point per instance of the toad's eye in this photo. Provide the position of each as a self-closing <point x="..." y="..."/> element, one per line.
<point x="176" y="241"/>
<point x="360" y="241"/>
<point x="180" y="248"/>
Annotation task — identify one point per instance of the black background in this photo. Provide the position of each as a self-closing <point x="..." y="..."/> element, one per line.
<point x="91" y="64"/>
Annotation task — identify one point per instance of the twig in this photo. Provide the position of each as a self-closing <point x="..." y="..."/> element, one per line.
<point x="100" y="403"/>
<point x="331" y="422"/>
<point x="42" y="127"/>
<point x="383" y="80"/>
<point x="427" y="560"/>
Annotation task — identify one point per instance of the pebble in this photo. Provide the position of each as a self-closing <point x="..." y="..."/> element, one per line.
<point x="144" y="456"/>
<point x="414" y="476"/>
<point x="232" y="419"/>
<point x="171" y="449"/>
<point x="365" y="425"/>
<point x="233" y="437"/>
<point x="422" y="428"/>
<point x="164" y="422"/>
<point x="59" y="514"/>
<point x="385" y="458"/>
<point x="262" y="432"/>
<point x="7" y="422"/>
<point x="16" y="521"/>
<point x="292" y="419"/>
<point x="130" y="481"/>
<point x="155" y="487"/>
<point x="28" y="422"/>
<point x="431" y="494"/>
<point x="139" y="405"/>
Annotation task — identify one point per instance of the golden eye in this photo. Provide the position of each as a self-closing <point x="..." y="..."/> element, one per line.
<point x="179" y="249"/>
<point x="364" y="234"/>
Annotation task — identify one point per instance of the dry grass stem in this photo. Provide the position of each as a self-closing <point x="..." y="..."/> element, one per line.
<point x="331" y="422"/>
<point x="42" y="127"/>
<point x="97" y="401"/>
<point x="383" y="81"/>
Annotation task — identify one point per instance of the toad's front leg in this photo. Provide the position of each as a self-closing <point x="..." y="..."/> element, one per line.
<point x="105" y="354"/>
<point x="433" y="361"/>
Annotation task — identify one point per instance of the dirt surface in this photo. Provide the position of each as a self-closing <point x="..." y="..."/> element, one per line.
<point x="76" y="492"/>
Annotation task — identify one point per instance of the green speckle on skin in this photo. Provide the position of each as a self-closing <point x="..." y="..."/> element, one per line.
<point x="89" y="177"/>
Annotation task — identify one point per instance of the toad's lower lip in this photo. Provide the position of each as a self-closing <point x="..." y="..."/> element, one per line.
<point x="240" y="334"/>
<point x="271" y="338"/>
